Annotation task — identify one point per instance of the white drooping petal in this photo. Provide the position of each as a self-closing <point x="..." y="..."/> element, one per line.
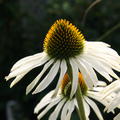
<point x="99" y="48"/>
<point x="70" y="110"/>
<point x="52" y="104"/>
<point x="98" y="67"/>
<point x="114" y="86"/>
<point x="96" y="96"/>
<point x="17" y="79"/>
<point x="96" y="44"/>
<point x="65" y="110"/>
<point x="93" y="75"/>
<point x="56" y="112"/>
<point x="45" y="100"/>
<point x="28" y="67"/>
<point x="117" y="117"/>
<point x="35" y="81"/>
<point x="85" y="73"/>
<point x="87" y="108"/>
<point x="107" y="100"/>
<point x="108" y="68"/>
<point x="98" y="89"/>
<point x="94" y="107"/>
<point x="105" y="64"/>
<point x="49" y="77"/>
<point x="101" y="84"/>
<point x="112" y="61"/>
<point x="63" y="69"/>
<point x="114" y="103"/>
<point x="75" y="77"/>
<point x="26" y="60"/>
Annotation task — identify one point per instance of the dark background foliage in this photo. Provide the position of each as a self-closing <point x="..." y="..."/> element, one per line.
<point x="23" y="26"/>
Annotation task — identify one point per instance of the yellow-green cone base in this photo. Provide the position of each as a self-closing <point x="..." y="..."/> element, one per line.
<point x="63" y="40"/>
<point x="66" y="85"/>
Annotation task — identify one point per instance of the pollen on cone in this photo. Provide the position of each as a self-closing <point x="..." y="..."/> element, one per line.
<point x="63" y="40"/>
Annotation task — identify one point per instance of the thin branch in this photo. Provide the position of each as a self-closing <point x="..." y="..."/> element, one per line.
<point x="87" y="10"/>
<point x="109" y="32"/>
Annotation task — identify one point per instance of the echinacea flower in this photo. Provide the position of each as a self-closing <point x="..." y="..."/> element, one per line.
<point x="66" y="106"/>
<point x="64" y="44"/>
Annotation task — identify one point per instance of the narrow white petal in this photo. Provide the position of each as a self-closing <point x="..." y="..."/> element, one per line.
<point x="85" y="73"/>
<point x="56" y="112"/>
<point x="98" y="67"/>
<point x="48" y="108"/>
<point x="114" y="86"/>
<point x="75" y="77"/>
<point x="98" y="89"/>
<point x="95" y="95"/>
<point x="63" y="69"/>
<point x="102" y="49"/>
<point x="107" y="59"/>
<point x="17" y="79"/>
<point x="65" y="110"/>
<point x="70" y="110"/>
<point x="94" y="107"/>
<point x="96" y="43"/>
<point x="117" y="117"/>
<point x="28" y="67"/>
<point x="101" y="84"/>
<point x="92" y="74"/>
<point x="111" y="51"/>
<point x="87" y="108"/>
<point x="114" y="104"/>
<point x="49" y="78"/>
<point x="76" y="104"/>
<point x="45" y="100"/>
<point x="35" y="81"/>
<point x="109" y="70"/>
<point x="26" y="60"/>
<point x="98" y="97"/>
<point x="105" y="64"/>
<point x="106" y="101"/>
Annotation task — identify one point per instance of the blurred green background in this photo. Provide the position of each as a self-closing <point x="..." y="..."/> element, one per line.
<point x="23" y="26"/>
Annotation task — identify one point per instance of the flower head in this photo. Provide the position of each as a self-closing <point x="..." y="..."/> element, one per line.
<point x="63" y="40"/>
<point x="66" y="106"/>
<point x="64" y="45"/>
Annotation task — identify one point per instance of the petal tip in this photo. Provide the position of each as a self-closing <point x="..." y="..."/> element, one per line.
<point x="6" y="78"/>
<point x="11" y="85"/>
<point x="35" y="111"/>
<point x="33" y="93"/>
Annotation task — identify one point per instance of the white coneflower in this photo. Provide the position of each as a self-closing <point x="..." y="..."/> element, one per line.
<point x="65" y="44"/>
<point x="66" y="106"/>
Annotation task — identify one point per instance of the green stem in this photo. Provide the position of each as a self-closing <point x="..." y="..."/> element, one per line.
<point x="78" y="95"/>
<point x="79" y="98"/>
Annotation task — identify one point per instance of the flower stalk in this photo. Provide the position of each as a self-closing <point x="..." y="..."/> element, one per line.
<point x="81" y="111"/>
<point x="78" y="95"/>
